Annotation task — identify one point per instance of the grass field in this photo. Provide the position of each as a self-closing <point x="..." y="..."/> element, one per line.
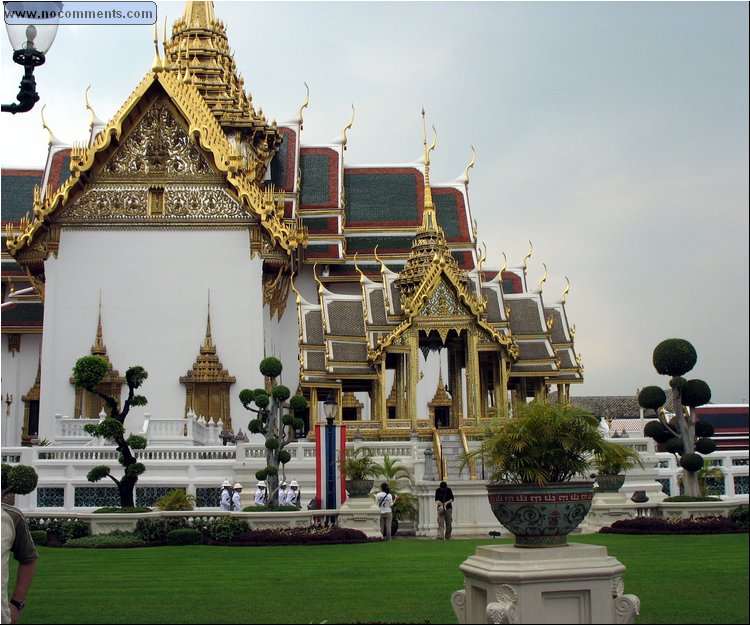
<point x="679" y="579"/>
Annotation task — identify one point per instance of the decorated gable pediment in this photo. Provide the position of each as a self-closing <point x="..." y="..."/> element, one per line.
<point x="443" y="302"/>
<point x="158" y="148"/>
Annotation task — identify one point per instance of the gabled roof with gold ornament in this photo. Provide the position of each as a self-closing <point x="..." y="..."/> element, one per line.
<point x="202" y="127"/>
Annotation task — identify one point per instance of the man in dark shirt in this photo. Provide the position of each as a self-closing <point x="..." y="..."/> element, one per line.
<point x="444" y="500"/>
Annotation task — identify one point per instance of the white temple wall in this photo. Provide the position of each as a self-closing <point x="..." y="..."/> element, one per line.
<point x="18" y="376"/>
<point x="281" y="339"/>
<point x="154" y="290"/>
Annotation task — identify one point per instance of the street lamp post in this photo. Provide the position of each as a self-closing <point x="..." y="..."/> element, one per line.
<point x="30" y="45"/>
<point x="330" y="406"/>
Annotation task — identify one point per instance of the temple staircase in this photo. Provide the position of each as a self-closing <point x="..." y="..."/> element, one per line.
<point x="449" y="445"/>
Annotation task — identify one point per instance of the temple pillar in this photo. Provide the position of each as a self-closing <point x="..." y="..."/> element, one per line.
<point x="503" y="388"/>
<point x="472" y="376"/>
<point x="454" y="377"/>
<point x="400" y="384"/>
<point x="412" y="376"/>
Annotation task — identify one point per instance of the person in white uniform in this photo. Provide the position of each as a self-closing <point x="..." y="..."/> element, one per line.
<point x="237" y="498"/>
<point x="226" y="496"/>
<point x="260" y="494"/>
<point x="293" y="497"/>
<point x="283" y="494"/>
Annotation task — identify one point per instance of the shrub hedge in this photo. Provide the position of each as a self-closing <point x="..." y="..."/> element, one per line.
<point x="39" y="537"/>
<point x="656" y="525"/>
<point x="62" y="529"/>
<point x="739" y="516"/>
<point x="185" y="536"/>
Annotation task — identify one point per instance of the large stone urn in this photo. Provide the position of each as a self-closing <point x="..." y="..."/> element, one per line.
<point x="359" y="488"/>
<point x="609" y="483"/>
<point x="541" y="516"/>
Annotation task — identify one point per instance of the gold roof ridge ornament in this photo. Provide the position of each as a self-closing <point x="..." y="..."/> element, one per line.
<point x="305" y="104"/>
<point x="566" y="291"/>
<point x="93" y="118"/>
<point x="347" y="127"/>
<point x="52" y="140"/>
<point x="542" y="280"/>
<point x="470" y="165"/>
<point x="528" y="255"/>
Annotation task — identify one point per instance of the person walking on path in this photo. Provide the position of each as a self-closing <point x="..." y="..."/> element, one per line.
<point x="385" y="501"/>
<point x="260" y="494"/>
<point x="16" y="540"/>
<point x="444" y="500"/>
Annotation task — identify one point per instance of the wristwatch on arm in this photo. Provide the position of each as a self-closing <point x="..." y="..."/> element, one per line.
<point x="20" y="605"/>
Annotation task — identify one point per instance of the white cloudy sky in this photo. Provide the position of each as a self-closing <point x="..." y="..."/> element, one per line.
<point x="614" y="136"/>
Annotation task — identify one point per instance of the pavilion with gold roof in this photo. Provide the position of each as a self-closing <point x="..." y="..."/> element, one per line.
<point x="193" y="236"/>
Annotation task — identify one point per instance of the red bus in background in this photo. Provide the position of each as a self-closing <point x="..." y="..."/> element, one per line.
<point x="730" y="423"/>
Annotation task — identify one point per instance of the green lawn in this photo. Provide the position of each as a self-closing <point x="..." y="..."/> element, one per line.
<point x="679" y="579"/>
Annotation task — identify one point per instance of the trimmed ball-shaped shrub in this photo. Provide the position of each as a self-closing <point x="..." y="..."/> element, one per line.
<point x="652" y="397"/>
<point x="677" y="382"/>
<point x="89" y="371"/>
<point x="705" y="446"/>
<point x="696" y="393"/>
<point x="185" y="536"/>
<point x="247" y="397"/>
<point x="658" y="431"/>
<point x="704" y="428"/>
<point x="136" y="441"/>
<point x="272" y="443"/>
<point x="271" y="471"/>
<point x="281" y="393"/>
<point x="287" y="419"/>
<point x="298" y="402"/>
<point x="254" y="426"/>
<point x="271" y="367"/>
<point x="284" y="456"/>
<point x="21" y="479"/>
<point x="691" y="462"/>
<point x="674" y="445"/>
<point x="674" y="357"/>
<point x="298" y="423"/>
<point x="262" y="400"/>
<point x="261" y="474"/>
<point x="110" y="428"/>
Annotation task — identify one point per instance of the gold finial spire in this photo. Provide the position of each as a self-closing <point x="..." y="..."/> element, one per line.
<point x="429" y="221"/>
<point x="347" y="127"/>
<point x="157" y="65"/>
<point x="566" y="291"/>
<point x="505" y="264"/>
<point x="482" y="258"/>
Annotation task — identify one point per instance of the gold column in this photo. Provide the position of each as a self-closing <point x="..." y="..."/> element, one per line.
<point x="454" y="375"/>
<point x="503" y="399"/>
<point x="472" y="376"/>
<point x="400" y="383"/>
<point x="313" y="407"/>
<point x="383" y="395"/>
<point x="412" y="377"/>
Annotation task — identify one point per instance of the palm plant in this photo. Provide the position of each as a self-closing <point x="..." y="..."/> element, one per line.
<point x="358" y="464"/>
<point x="546" y="443"/>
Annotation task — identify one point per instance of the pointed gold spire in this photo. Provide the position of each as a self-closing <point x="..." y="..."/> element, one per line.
<point x="429" y="220"/>
<point x="98" y="348"/>
<point x="208" y="345"/>
<point x="199" y="14"/>
<point x="157" y="65"/>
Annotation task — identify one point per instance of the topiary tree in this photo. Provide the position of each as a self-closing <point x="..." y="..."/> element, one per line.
<point x="680" y="436"/>
<point x="277" y="428"/>
<point x="88" y="373"/>
<point x="20" y="479"/>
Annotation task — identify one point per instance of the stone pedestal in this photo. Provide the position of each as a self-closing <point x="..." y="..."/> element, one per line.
<point x="572" y="584"/>
<point x="361" y="513"/>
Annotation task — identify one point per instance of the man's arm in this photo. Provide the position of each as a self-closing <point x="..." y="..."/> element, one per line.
<point x="23" y="582"/>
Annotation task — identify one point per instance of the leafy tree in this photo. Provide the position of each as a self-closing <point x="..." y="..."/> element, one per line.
<point x="88" y="373"/>
<point x="681" y="435"/>
<point x="277" y="428"/>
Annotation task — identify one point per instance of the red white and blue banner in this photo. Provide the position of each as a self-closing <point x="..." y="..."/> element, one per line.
<point x="330" y="446"/>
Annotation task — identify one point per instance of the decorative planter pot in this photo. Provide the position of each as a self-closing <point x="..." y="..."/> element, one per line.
<point x="541" y="516"/>
<point x="609" y="483"/>
<point x="359" y="488"/>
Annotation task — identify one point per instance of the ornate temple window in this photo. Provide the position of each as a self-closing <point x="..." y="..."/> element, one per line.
<point x="30" y="401"/>
<point x="351" y="408"/>
<point x="207" y="384"/>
